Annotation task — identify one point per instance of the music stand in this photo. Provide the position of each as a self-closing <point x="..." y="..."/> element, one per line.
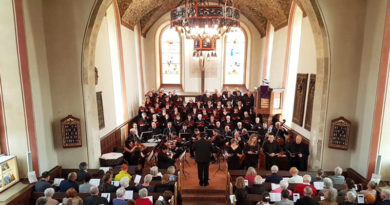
<point x="219" y="155"/>
<point x="145" y="136"/>
<point x="183" y="156"/>
<point x="186" y="136"/>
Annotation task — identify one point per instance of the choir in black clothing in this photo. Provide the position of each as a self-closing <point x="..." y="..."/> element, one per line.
<point x="237" y="132"/>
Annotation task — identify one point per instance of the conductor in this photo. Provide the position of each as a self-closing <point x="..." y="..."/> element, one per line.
<point x="203" y="150"/>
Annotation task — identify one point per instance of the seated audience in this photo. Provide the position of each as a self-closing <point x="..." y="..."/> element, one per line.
<point x="154" y="173"/>
<point x="105" y="184"/>
<point x="241" y="193"/>
<point x="306" y="183"/>
<point x="350" y="198"/>
<point x="43" y="183"/>
<point x="319" y="177"/>
<point x="265" y="200"/>
<point x="349" y="186"/>
<point x="285" y="201"/>
<point x="306" y="199"/>
<point x="370" y="193"/>
<point x="283" y="186"/>
<point x="72" y="198"/>
<point x="86" y="186"/>
<point x="330" y="196"/>
<point x="95" y="198"/>
<point x="167" y="195"/>
<point x="146" y="184"/>
<point x="338" y="178"/>
<point x="164" y="185"/>
<point x="70" y="182"/>
<point x="171" y="172"/>
<point x="49" y="192"/>
<point x="385" y="196"/>
<point x="82" y="171"/>
<point x="274" y="177"/>
<point x="125" y="183"/>
<point x="250" y="175"/>
<point x="120" y="197"/>
<point x="295" y="178"/>
<point x="123" y="173"/>
<point x="143" y="200"/>
<point x="257" y="187"/>
<point x="328" y="184"/>
<point x="41" y="201"/>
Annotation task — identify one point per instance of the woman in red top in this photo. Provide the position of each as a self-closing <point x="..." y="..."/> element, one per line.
<point x="143" y="200"/>
<point x="250" y="175"/>
<point x="306" y="183"/>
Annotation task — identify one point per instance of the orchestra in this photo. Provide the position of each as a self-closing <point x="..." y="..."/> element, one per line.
<point x="168" y="124"/>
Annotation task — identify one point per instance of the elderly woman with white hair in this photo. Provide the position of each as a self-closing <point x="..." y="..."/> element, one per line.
<point x="146" y="184"/>
<point x="330" y="197"/>
<point x="125" y="183"/>
<point x="283" y="186"/>
<point x="120" y="196"/>
<point x="49" y="192"/>
<point x="306" y="183"/>
<point x="257" y="187"/>
<point x="350" y="198"/>
<point x="143" y="200"/>
<point x="338" y="178"/>
<point x="154" y="173"/>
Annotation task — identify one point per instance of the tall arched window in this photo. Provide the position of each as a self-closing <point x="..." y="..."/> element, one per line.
<point x="170" y="45"/>
<point x="235" y="54"/>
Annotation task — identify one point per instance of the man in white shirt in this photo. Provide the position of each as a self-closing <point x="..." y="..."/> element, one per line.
<point x="295" y="178"/>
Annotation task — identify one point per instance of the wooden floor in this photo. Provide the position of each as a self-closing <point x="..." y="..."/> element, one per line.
<point x="193" y="194"/>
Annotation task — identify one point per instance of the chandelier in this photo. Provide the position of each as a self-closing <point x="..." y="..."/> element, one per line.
<point x="199" y="19"/>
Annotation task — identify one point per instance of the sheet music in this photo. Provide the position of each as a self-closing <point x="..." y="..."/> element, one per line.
<point x="128" y="195"/>
<point x="360" y="198"/>
<point x="322" y="198"/>
<point x="286" y="178"/>
<point x="275" y="197"/>
<point x="160" y="198"/>
<point x="246" y="182"/>
<point x="115" y="183"/>
<point x="319" y="185"/>
<point x="32" y="177"/>
<point x="105" y="169"/>
<point x="232" y="198"/>
<point x="137" y="179"/>
<point x="159" y="174"/>
<point x="274" y="186"/>
<point x="296" y="196"/>
<point x="150" y="198"/>
<point x="57" y="181"/>
<point x="107" y="196"/>
<point x="95" y="182"/>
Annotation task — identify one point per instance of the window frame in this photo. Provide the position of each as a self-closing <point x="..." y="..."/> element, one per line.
<point x="245" y="61"/>
<point x="162" y="84"/>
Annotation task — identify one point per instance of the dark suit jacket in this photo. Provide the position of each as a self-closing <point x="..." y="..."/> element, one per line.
<point x="107" y="188"/>
<point x="385" y="202"/>
<point x="164" y="161"/>
<point x="81" y="175"/>
<point x="274" y="178"/>
<point x="41" y="185"/>
<point x="66" y="184"/>
<point x="95" y="200"/>
<point x="306" y="201"/>
<point x="167" y="131"/>
<point x="203" y="150"/>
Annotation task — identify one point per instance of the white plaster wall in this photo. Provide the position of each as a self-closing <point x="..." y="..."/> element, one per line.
<point x="278" y="56"/>
<point x="40" y="84"/>
<point x="105" y="81"/>
<point x="385" y="139"/>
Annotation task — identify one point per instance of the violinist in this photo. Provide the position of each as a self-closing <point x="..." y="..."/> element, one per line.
<point x="136" y="157"/>
<point x="216" y="139"/>
<point x="129" y="148"/>
<point x="251" y="151"/>
<point x="234" y="154"/>
<point x="134" y="136"/>
<point x="165" y="159"/>
<point x="271" y="149"/>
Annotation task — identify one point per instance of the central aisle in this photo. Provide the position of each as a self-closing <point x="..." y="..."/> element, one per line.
<point x="194" y="194"/>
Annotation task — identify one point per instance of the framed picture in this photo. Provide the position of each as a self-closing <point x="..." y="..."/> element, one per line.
<point x="339" y="133"/>
<point x="71" y="132"/>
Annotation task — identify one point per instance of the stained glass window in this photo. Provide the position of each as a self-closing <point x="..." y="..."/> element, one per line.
<point x="170" y="56"/>
<point x="235" y="56"/>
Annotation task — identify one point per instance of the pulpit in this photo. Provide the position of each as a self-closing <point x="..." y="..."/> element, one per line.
<point x="269" y="101"/>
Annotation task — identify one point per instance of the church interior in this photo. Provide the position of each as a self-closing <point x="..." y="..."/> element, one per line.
<point x="108" y="101"/>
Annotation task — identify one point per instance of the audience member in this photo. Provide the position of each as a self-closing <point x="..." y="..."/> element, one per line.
<point x="70" y="182"/>
<point x="95" y="198"/>
<point x="257" y="187"/>
<point x="319" y="176"/>
<point x="274" y="177"/>
<point x="154" y="173"/>
<point x="306" y="183"/>
<point x="71" y="194"/>
<point x="146" y="184"/>
<point x="86" y="186"/>
<point x="130" y="202"/>
<point x="349" y="186"/>
<point x="350" y="198"/>
<point x="285" y="201"/>
<point x="283" y="186"/>
<point x="171" y="172"/>
<point x="328" y="184"/>
<point x="123" y="173"/>
<point x="385" y="196"/>
<point x="120" y="196"/>
<point x="105" y="184"/>
<point x="241" y="193"/>
<point x="143" y="200"/>
<point x="41" y="201"/>
<point x="49" y="192"/>
<point x="250" y="175"/>
<point x="164" y="185"/>
<point x="265" y="200"/>
<point x="167" y="195"/>
<point x="330" y="196"/>
<point x="43" y="183"/>
<point x="125" y="183"/>
<point x="370" y="193"/>
<point x="295" y="178"/>
<point x="82" y="171"/>
<point x="306" y="199"/>
<point x="338" y="178"/>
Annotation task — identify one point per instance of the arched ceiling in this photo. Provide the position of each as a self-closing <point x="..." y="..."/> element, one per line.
<point x="147" y="12"/>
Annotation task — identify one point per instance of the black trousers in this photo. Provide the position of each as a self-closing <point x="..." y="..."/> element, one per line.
<point x="270" y="161"/>
<point x="203" y="172"/>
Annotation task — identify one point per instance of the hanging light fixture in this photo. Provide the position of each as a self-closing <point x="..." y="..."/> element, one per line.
<point x="198" y="19"/>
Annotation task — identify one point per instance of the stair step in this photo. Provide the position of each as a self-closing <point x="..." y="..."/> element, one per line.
<point x="203" y="190"/>
<point x="197" y="197"/>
